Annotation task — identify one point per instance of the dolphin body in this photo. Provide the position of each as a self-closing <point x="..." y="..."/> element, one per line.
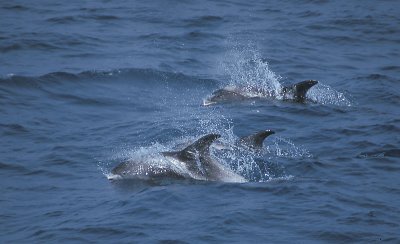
<point x="296" y="92"/>
<point x="200" y="165"/>
<point x="193" y="162"/>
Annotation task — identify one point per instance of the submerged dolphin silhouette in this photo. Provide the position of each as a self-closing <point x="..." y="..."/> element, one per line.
<point x="194" y="161"/>
<point x="296" y="92"/>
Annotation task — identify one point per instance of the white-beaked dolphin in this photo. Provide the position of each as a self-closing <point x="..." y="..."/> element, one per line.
<point x="194" y="162"/>
<point x="296" y="92"/>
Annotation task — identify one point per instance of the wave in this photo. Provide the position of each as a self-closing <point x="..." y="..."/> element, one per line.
<point x="77" y="18"/>
<point x="14" y="167"/>
<point x="381" y="153"/>
<point x="29" y="45"/>
<point x="204" y="21"/>
<point x="13" y="129"/>
<point x="15" y="7"/>
<point x="21" y="170"/>
<point x="127" y="74"/>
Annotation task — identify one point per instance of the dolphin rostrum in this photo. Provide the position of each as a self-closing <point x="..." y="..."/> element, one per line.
<point x="296" y="92"/>
<point x="194" y="161"/>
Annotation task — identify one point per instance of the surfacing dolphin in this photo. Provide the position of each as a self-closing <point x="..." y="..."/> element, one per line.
<point x="296" y="92"/>
<point x="194" y="161"/>
<point x="199" y="163"/>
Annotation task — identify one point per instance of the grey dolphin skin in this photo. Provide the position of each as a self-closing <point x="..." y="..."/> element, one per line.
<point x="296" y="92"/>
<point x="201" y="165"/>
<point x="142" y="170"/>
<point x="194" y="161"/>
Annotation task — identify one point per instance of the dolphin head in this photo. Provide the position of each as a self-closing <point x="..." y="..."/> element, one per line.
<point x="122" y="169"/>
<point x="222" y="95"/>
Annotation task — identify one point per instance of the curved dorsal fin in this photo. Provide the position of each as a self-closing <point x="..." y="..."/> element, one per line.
<point x="201" y="146"/>
<point x="256" y="140"/>
<point x="299" y="90"/>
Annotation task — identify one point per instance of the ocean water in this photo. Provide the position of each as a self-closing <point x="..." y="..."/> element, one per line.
<point x="86" y="85"/>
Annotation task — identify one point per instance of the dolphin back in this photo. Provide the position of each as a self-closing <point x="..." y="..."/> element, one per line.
<point x="256" y="140"/>
<point x="298" y="91"/>
<point x="201" y="147"/>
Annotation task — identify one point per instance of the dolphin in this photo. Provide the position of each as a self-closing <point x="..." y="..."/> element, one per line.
<point x="194" y="161"/>
<point x="296" y="92"/>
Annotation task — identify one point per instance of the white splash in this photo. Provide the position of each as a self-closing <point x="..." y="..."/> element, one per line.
<point x="247" y="70"/>
<point x="326" y="95"/>
<point x="285" y="148"/>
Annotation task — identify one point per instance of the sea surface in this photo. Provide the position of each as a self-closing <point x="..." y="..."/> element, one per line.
<point x="86" y="85"/>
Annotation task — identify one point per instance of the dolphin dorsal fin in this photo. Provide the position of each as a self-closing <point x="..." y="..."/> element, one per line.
<point x="200" y="147"/>
<point x="300" y="89"/>
<point x="256" y="140"/>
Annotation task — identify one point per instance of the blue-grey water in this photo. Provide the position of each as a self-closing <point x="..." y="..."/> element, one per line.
<point x="86" y="85"/>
